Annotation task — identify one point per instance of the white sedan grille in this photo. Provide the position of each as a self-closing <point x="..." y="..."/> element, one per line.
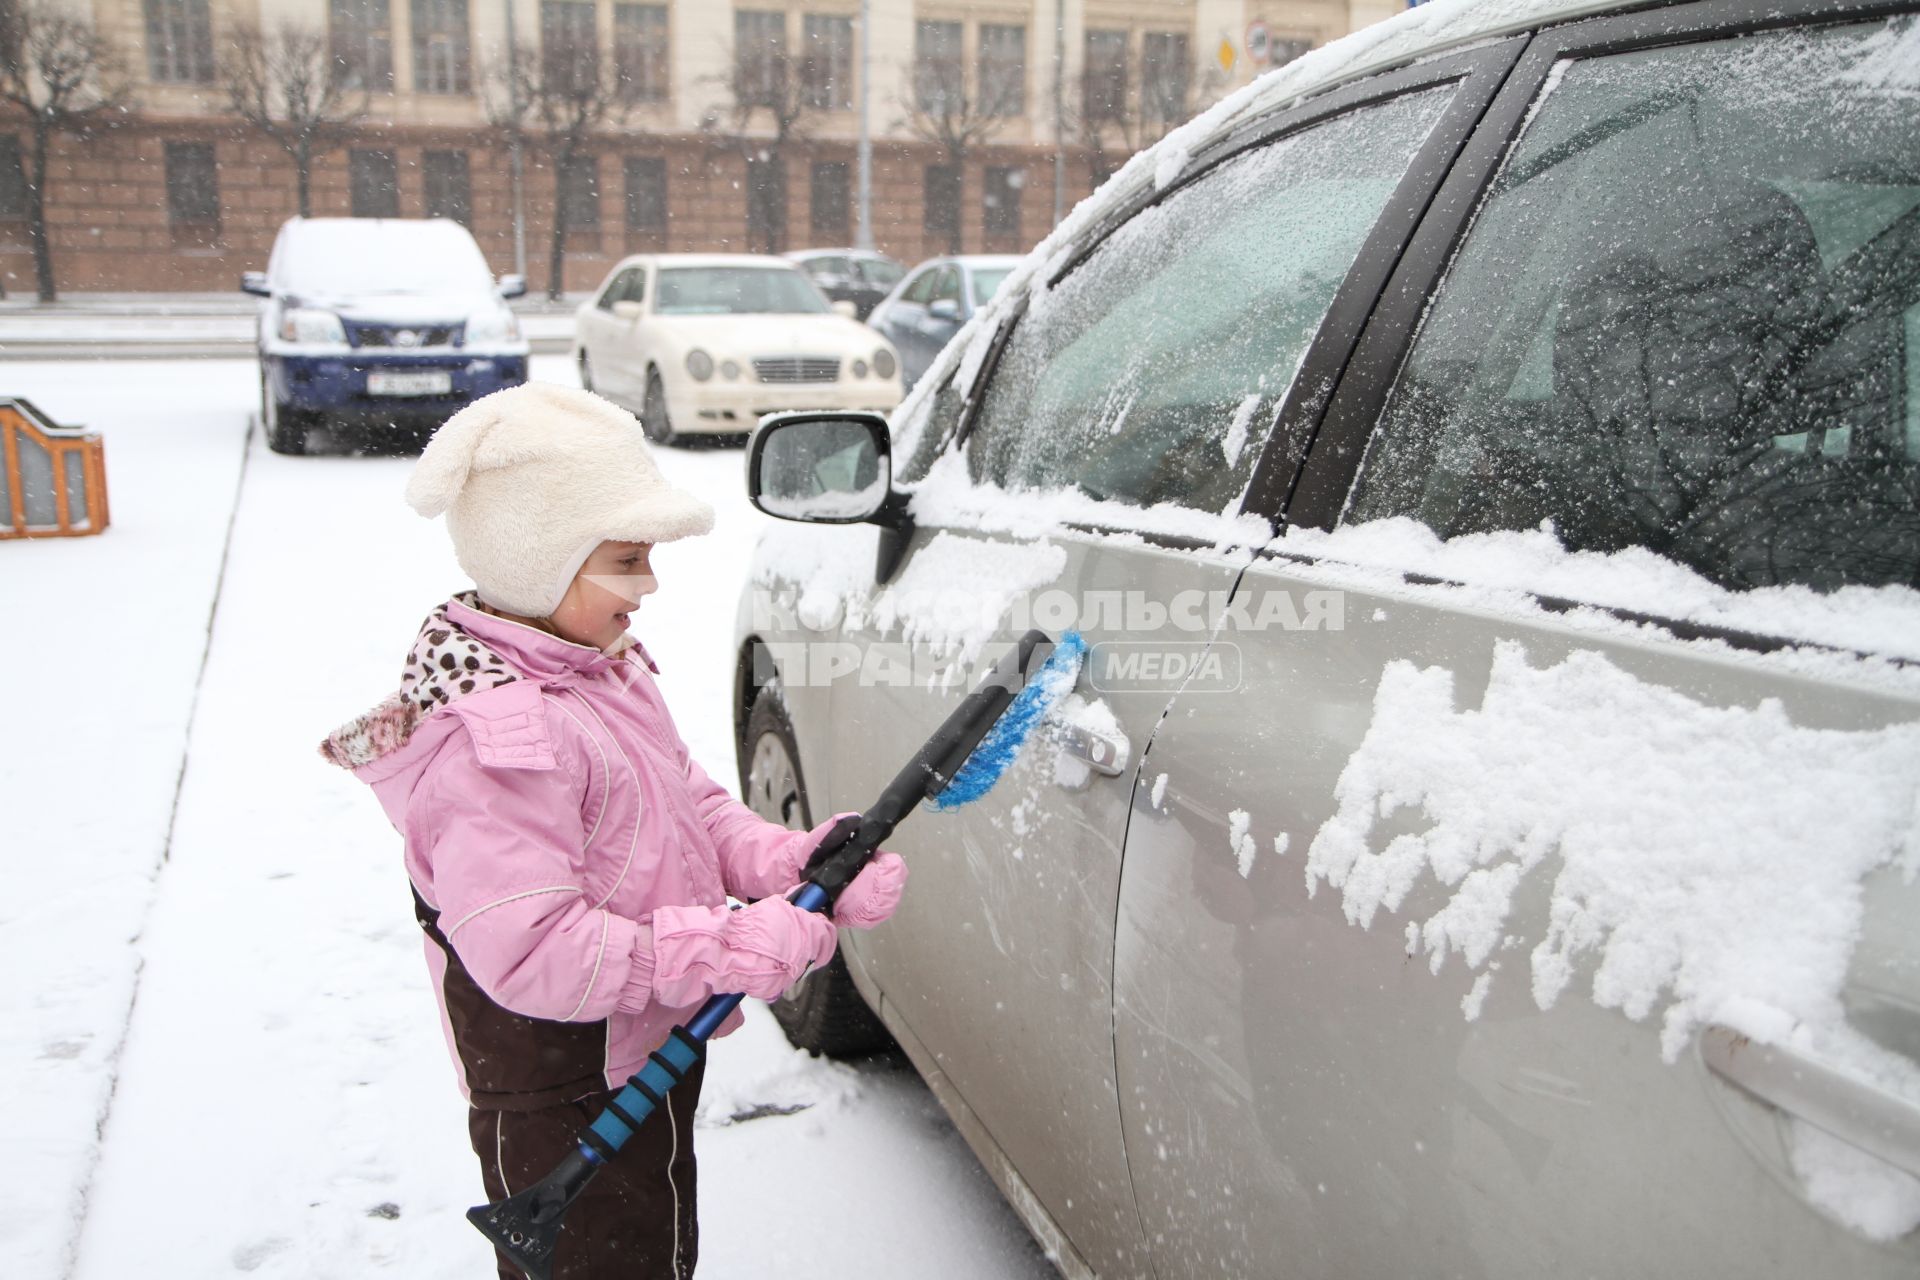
<point x="797" y="368"/>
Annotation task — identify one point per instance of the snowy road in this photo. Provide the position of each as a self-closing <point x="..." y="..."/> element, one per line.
<point x="224" y="1057"/>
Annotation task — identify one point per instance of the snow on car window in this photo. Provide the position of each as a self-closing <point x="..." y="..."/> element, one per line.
<point x="1126" y="378"/>
<point x="719" y="291"/>
<point x="1684" y="874"/>
<point x="1687" y="320"/>
<point x="373" y="256"/>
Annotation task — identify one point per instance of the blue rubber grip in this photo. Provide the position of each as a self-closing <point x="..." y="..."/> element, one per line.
<point x="611" y="1128"/>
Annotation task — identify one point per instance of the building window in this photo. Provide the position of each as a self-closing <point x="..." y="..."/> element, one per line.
<point x="640" y="50"/>
<point x="449" y="185"/>
<point x="13" y="180"/>
<point x="1105" y="96"/>
<point x="766" y="205"/>
<point x="440" y="46"/>
<point x="938" y="86"/>
<point x="569" y="46"/>
<point x="826" y="62"/>
<point x="759" y="57"/>
<point x="580" y="193"/>
<point x="193" y="184"/>
<point x="646" y="193"/>
<point x="829" y="206"/>
<point x="373" y="181"/>
<point x="361" y="35"/>
<point x="1164" y="76"/>
<point x="1283" y="51"/>
<point x="1003" y="70"/>
<point x="1001" y="200"/>
<point x="179" y="41"/>
<point x="942" y="212"/>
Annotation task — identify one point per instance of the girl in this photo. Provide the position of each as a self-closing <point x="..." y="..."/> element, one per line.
<point x="570" y="861"/>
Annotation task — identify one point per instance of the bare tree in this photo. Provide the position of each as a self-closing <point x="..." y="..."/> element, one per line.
<point x="290" y="85"/>
<point x="772" y="94"/>
<point x="1105" y="123"/>
<point x="941" y="110"/>
<point x="560" y="95"/>
<point x="67" y="77"/>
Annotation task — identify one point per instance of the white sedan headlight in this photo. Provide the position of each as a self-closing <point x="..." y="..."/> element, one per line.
<point x="884" y="364"/>
<point x="493" y="324"/>
<point x="310" y="326"/>
<point x="699" y="365"/>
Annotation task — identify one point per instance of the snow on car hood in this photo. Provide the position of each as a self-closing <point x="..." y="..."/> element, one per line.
<point x="770" y="335"/>
<point x="403" y="308"/>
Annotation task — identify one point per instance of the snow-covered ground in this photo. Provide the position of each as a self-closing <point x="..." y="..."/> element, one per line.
<point x="217" y="1045"/>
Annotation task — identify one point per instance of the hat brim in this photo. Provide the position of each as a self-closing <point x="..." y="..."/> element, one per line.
<point x="660" y="517"/>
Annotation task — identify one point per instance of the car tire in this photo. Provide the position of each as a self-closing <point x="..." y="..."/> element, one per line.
<point x="654" y="419"/>
<point x="285" y="427"/>
<point x="825" y="1013"/>
<point x="586" y="373"/>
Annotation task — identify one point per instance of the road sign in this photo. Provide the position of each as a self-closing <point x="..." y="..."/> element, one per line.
<point x="1226" y="55"/>
<point x="1259" y="43"/>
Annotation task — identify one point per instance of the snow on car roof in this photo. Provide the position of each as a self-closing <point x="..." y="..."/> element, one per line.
<point x="761" y="260"/>
<point x="349" y="255"/>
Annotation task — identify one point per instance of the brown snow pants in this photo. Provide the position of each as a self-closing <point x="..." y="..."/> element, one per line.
<point x="637" y="1219"/>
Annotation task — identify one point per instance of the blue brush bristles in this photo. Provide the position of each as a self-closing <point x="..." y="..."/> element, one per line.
<point x="997" y="750"/>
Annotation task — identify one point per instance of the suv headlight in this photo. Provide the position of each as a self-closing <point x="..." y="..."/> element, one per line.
<point x="884" y="364"/>
<point x="699" y="364"/>
<point x="306" y="325"/>
<point x="494" y="324"/>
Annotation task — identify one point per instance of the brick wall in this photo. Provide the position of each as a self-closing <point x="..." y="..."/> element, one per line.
<point x="109" y="222"/>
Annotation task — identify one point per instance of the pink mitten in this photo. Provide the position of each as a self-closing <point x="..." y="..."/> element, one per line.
<point x="873" y="894"/>
<point x="760" y="950"/>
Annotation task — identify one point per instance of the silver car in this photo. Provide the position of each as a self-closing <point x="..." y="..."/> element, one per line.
<point x="932" y="304"/>
<point x="1484" y="459"/>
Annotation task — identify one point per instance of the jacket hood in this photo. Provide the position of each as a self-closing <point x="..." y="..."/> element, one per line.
<point x="461" y="655"/>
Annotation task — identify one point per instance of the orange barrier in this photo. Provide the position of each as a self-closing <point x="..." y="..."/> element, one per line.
<point x="54" y="484"/>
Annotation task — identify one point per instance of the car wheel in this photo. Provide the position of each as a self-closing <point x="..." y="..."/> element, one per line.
<point x="285" y="428"/>
<point x="653" y="411"/>
<point x="825" y="1013"/>
<point x="586" y="373"/>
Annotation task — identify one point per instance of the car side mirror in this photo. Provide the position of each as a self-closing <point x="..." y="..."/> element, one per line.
<point x="627" y="309"/>
<point x="821" y="468"/>
<point x="944" y="309"/>
<point x="255" y="283"/>
<point x="850" y="310"/>
<point x="513" y="286"/>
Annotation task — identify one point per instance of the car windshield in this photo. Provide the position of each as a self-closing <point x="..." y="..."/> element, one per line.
<point x="985" y="281"/>
<point x="719" y="291"/>
<point x="374" y="257"/>
<point x="882" y="273"/>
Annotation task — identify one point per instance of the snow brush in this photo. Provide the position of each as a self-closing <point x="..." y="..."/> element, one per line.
<point x="975" y="745"/>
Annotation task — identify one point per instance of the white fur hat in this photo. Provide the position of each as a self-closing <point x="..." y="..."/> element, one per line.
<point x="532" y="479"/>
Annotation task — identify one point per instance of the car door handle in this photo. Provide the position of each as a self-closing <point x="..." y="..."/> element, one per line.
<point x="1828" y="1097"/>
<point x="1105" y="753"/>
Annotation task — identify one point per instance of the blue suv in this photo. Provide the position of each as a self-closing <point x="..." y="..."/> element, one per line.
<point x="385" y="324"/>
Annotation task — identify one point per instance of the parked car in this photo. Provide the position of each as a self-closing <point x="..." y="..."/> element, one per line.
<point x="708" y="343"/>
<point x="927" y="308"/>
<point x="1484" y="461"/>
<point x="383" y="324"/>
<point x="859" y="276"/>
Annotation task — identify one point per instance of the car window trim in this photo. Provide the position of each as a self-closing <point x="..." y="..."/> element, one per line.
<point x="1325" y="482"/>
<point x="1477" y="73"/>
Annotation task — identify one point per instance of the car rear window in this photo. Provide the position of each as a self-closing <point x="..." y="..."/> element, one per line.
<point x="1687" y="319"/>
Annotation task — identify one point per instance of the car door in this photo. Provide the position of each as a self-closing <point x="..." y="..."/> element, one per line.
<point x="1134" y="404"/>
<point x="608" y="339"/>
<point x="1545" y="916"/>
<point x="934" y="326"/>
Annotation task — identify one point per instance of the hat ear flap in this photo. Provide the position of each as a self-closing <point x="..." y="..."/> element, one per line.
<point x="447" y="460"/>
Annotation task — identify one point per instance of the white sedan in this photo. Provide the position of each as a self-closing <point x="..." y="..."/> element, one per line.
<point x="708" y="343"/>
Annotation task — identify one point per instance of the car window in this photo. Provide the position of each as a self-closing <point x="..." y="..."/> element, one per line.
<point x="946" y="287"/>
<point x="884" y="274"/>
<point x="830" y="266"/>
<point x="1153" y="371"/>
<point x="1687" y="318"/>
<point x="704" y="291"/>
<point x="985" y="281"/>
<point x="616" y="290"/>
<point x="920" y="288"/>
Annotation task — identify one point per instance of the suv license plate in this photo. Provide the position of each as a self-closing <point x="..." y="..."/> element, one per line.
<point x="435" y="382"/>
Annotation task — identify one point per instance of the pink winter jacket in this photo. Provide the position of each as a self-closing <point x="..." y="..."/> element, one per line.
<point x="549" y="807"/>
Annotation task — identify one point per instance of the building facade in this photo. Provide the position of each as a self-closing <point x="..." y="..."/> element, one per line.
<point x="732" y="127"/>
